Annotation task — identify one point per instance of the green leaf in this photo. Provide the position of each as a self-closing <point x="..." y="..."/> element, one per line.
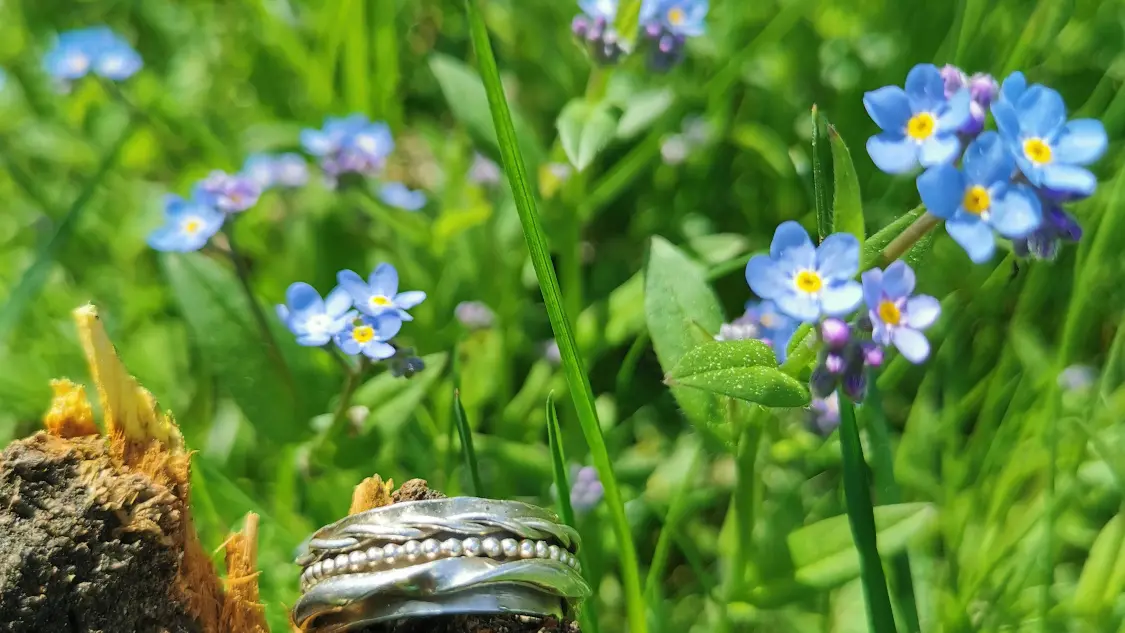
<point x="628" y="22"/>
<point x="578" y="381"/>
<point x="642" y="110"/>
<point x="1092" y="594"/>
<point x="847" y="204"/>
<point x="820" y="185"/>
<point x="467" y="99"/>
<point x="466" y="433"/>
<point x="824" y="553"/>
<point x="220" y="323"/>
<point x="873" y="246"/>
<point x="584" y="130"/>
<point x="677" y="292"/>
<point x="746" y="370"/>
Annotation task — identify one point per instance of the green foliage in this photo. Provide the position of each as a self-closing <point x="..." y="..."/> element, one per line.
<point x="745" y="370"/>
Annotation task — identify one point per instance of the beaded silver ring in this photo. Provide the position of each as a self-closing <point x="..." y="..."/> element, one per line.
<point x="438" y="557"/>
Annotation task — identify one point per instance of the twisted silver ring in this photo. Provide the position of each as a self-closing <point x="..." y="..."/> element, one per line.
<point x="438" y="557"/>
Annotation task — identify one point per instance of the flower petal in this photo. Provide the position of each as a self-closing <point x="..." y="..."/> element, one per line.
<point x="356" y="287"/>
<point x="314" y="340"/>
<point x="765" y="278"/>
<point x="338" y="302"/>
<point x="1042" y="112"/>
<point x="922" y="311"/>
<point x="1013" y="87"/>
<point x="409" y="299"/>
<point x="1083" y="141"/>
<point x="987" y="161"/>
<point x="892" y="152"/>
<point x="841" y="299"/>
<point x="799" y="305"/>
<point x="386" y="325"/>
<point x="1007" y="121"/>
<point x="912" y="344"/>
<point x="925" y="88"/>
<point x="282" y="313"/>
<point x="1069" y="179"/>
<point x="942" y="188"/>
<point x="973" y="235"/>
<point x="838" y="256"/>
<point x="872" y="287"/>
<point x="938" y="149"/>
<point x="378" y="351"/>
<point x="898" y="280"/>
<point x="889" y="108"/>
<point x="788" y="235"/>
<point x="1017" y="214"/>
<point x="347" y="344"/>
<point x="384" y="280"/>
<point x="957" y="112"/>
<point x="303" y="301"/>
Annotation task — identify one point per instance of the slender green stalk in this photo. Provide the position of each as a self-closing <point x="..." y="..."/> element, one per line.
<point x="908" y="238"/>
<point x="746" y="472"/>
<point x="588" y="618"/>
<point x="676" y="512"/>
<point x="35" y="276"/>
<point x="1051" y="437"/>
<point x="579" y="383"/>
<point x="322" y="444"/>
<point x="887" y="492"/>
<point x="861" y="517"/>
<point x="466" y="434"/>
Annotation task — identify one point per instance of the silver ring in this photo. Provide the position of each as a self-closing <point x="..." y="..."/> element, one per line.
<point x="438" y="557"/>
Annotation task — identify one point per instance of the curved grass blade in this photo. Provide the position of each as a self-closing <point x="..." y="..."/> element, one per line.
<point x="466" y="434"/>
<point x="588" y="618"/>
<point x="861" y="517"/>
<point x="579" y="383"/>
<point x="36" y="275"/>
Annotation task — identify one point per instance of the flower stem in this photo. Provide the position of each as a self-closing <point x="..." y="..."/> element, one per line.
<point x="908" y="238"/>
<point x="321" y="445"/>
<point x="260" y="320"/>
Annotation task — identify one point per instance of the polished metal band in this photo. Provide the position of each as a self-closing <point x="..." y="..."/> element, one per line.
<point x="438" y="557"/>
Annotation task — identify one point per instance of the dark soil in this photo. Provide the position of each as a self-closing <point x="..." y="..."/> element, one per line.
<point x="83" y="546"/>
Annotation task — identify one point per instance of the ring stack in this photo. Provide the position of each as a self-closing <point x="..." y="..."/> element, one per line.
<point x="438" y="557"/>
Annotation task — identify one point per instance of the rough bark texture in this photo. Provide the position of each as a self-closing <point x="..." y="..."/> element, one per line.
<point x="96" y="532"/>
<point x="416" y="490"/>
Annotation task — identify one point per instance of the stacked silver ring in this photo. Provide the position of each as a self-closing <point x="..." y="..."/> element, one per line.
<point x="438" y="557"/>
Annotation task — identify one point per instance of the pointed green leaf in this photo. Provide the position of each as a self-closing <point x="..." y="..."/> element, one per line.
<point x="847" y="205"/>
<point x="466" y="434"/>
<point x="716" y="355"/>
<point x="873" y="246"/>
<point x="584" y="130"/>
<point x="767" y="386"/>
<point x="642" y="110"/>
<point x="1091" y="595"/>
<point x="820" y="183"/>
<point x="628" y="22"/>
<point x="824" y="553"/>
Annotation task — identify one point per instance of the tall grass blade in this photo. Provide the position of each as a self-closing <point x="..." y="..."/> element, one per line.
<point x="466" y="434"/>
<point x="861" y="517"/>
<point x="579" y="383"/>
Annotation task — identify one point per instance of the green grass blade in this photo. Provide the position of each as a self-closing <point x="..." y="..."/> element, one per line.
<point x="357" y="67"/>
<point x="36" y="275"/>
<point x="677" y="510"/>
<point x="588" y="618"/>
<point x="887" y="493"/>
<point x="579" y="383"/>
<point x="628" y="21"/>
<point x="824" y="224"/>
<point x="466" y="434"/>
<point x="861" y="517"/>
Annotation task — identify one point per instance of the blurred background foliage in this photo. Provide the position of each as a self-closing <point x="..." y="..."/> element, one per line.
<point x="222" y="80"/>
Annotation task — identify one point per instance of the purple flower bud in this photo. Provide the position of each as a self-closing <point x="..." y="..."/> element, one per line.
<point x="835" y="364"/>
<point x="983" y="89"/>
<point x="580" y="26"/>
<point x="954" y="79"/>
<point x="835" y="333"/>
<point x="975" y="123"/>
<point x="822" y="382"/>
<point x="872" y="355"/>
<point x="667" y="44"/>
<point x="597" y="29"/>
<point x="474" y="315"/>
<point x="653" y="29"/>
<point x="855" y="386"/>
<point x="826" y="413"/>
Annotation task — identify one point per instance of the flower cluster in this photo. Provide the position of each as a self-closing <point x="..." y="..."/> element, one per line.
<point x="96" y="49"/>
<point x="1011" y="182"/>
<point x="817" y="285"/>
<point x="761" y="321"/>
<point x="359" y="316"/>
<point x="190" y="223"/>
<point x="665" y="26"/>
<point x="268" y="171"/>
<point x="349" y="145"/>
<point x="586" y="490"/>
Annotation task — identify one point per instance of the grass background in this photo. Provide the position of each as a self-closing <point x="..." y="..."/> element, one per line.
<point x="986" y="443"/>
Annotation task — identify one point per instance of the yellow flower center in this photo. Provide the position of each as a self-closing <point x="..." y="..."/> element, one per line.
<point x="380" y="301"/>
<point x="676" y="16"/>
<point x="363" y="333"/>
<point x="1037" y="150"/>
<point x="921" y="126"/>
<point x="192" y="226"/>
<point x="889" y="312"/>
<point x="808" y="281"/>
<point x="977" y="200"/>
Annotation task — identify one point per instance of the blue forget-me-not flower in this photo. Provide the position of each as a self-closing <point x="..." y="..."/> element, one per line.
<point x="349" y="145"/>
<point x="315" y="321"/>
<point x="281" y="170"/>
<point x="95" y="49"/>
<point x="402" y="197"/>
<point x="370" y="336"/>
<point x="379" y="294"/>
<point x="683" y="18"/>
<point x="897" y="316"/>
<point x="1051" y="152"/>
<point x="980" y="198"/>
<point x="805" y="281"/>
<point x="188" y="225"/>
<point x="919" y="123"/>
<point x="227" y="192"/>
